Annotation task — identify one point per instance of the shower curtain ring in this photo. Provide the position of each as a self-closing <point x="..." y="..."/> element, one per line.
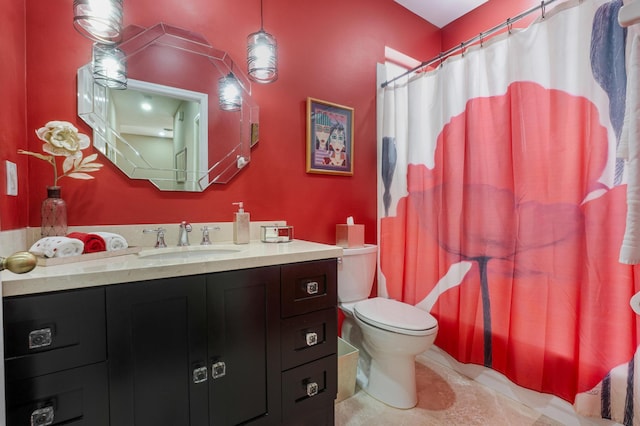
<point x="481" y="40"/>
<point x="440" y="59"/>
<point x="462" y="49"/>
<point x="542" y="7"/>
<point x="509" y="25"/>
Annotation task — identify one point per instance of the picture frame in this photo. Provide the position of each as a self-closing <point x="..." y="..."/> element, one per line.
<point x="329" y="138"/>
<point x="181" y="165"/>
<point x="255" y="134"/>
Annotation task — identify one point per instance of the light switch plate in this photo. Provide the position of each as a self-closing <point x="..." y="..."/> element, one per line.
<point x="12" y="178"/>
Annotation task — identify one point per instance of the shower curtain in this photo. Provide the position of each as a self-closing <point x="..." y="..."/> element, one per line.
<point x="502" y="207"/>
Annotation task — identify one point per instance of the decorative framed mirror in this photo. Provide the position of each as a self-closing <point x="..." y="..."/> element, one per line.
<point x="169" y="125"/>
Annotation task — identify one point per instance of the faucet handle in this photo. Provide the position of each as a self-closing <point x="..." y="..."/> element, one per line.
<point x="186" y="225"/>
<point x="159" y="238"/>
<point x="205" y="234"/>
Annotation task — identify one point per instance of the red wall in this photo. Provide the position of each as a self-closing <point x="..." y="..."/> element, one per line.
<point x="13" y="210"/>
<point x="327" y="51"/>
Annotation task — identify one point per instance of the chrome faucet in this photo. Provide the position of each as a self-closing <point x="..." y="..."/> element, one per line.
<point x="183" y="236"/>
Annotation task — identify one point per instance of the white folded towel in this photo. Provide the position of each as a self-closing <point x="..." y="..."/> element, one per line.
<point x="113" y="241"/>
<point x="57" y="247"/>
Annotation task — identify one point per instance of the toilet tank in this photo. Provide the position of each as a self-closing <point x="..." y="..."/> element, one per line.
<point x="356" y="272"/>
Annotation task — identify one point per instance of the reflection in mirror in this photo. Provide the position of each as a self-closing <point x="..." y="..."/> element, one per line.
<point x="167" y="126"/>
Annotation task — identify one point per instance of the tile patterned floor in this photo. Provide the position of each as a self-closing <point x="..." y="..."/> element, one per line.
<point x="444" y="398"/>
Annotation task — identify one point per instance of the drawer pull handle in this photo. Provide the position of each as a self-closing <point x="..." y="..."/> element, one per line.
<point x="312" y="338"/>
<point x="312" y="287"/>
<point x="200" y="375"/>
<point x="40" y="338"/>
<point x="42" y="416"/>
<point x="219" y="369"/>
<point x="312" y="389"/>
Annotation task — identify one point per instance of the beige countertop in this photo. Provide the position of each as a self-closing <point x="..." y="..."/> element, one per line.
<point x="132" y="267"/>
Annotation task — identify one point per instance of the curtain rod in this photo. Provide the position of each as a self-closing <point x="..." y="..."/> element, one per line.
<point x="480" y="37"/>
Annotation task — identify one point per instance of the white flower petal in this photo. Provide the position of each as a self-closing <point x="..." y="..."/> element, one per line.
<point x="80" y="176"/>
<point x="83" y="141"/>
<point x="90" y="158"/>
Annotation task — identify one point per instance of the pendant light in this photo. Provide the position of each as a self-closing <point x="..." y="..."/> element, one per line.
<point x="229" y="93"/>
<point x="98" y="20"/>
<point x="262" y="55"/>
<point x="109" y="66"/>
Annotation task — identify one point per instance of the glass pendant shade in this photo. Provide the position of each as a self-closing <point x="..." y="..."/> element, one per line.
<point x="229" y="93"/>
<point x="98" y="20"/>
<point x="109" y="66"/>
<point x="262" y="57"/>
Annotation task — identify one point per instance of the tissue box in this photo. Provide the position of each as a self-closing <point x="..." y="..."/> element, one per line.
<point x="349" y="236"/>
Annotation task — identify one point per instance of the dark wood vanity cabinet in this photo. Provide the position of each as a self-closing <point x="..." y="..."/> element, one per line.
<point x="309" y="342"/>
<point x="55" y="359"/>
<point x="194" y="350"/>
<point x="253" y="346"/>
<point x="156" y="334"/>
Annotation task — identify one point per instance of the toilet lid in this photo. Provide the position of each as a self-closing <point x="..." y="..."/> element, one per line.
<point x="395" y="316"/>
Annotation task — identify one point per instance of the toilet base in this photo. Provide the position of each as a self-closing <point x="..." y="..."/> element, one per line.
<point x="392" y="380"/>
<point x="387" y="361"/>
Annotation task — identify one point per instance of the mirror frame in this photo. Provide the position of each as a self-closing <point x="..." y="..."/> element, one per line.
<point x="93" y="108"/>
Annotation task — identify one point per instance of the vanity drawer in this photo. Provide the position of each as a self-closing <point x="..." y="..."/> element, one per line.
<point x="308" y="388"/>
<point x="74" y="397"/>
<point x="53" y="332"/>
<point x="308" y="287"/>
<point x="308" y="337"/>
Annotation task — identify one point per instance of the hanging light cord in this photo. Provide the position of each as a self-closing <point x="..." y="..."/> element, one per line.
<point x="261" y="18"/>
<point x="480" y="37"/>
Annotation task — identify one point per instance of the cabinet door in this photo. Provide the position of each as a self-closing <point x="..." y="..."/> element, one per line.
<point x="156" y="334"/>
<point x="244" y="347"/>
<point x="51" y="332"/>
<point x="309" y="286"/>
<point x="310" y="389"/>
<point x="76" y="397"/>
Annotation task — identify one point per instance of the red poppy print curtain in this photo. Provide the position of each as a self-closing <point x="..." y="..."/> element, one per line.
<point x="502" y="207"/>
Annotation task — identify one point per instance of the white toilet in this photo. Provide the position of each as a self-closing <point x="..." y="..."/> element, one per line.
<point x="388" y="333"/>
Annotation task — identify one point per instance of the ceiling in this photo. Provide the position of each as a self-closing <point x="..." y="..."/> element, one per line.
<point x="440" y="12"/>
<point x="132" y="119"/>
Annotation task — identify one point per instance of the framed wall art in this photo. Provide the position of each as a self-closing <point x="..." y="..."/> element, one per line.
<point x="181" y="165"/>
<point x="329" y="138"/>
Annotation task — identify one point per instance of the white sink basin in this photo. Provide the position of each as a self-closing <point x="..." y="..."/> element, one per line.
<point x="190" y="252"/>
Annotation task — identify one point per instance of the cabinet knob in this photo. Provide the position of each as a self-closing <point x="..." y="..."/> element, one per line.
<point x="218" y="369"/>
<point x="312" y="287"/>
<point x="312" y="389"/>
<point x="42" y="416"/>
<point x="40" y="338"/>
<point x="312" y="338"/>
<point x="200" y="375"/>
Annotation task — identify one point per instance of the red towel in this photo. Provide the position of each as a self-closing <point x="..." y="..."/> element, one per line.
<point x="92" y="243"/>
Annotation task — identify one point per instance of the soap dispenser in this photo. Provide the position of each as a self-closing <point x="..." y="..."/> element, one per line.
<point x="240" y="225"/>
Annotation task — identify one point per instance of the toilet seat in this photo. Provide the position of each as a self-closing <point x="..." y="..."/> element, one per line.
<point x="398" y="317"/>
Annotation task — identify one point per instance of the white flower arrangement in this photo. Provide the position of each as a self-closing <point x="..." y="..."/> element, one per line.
<point x="61" y="139"/>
